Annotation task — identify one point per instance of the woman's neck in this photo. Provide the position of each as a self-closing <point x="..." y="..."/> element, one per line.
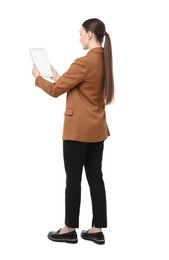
<point x="94" y="45"/>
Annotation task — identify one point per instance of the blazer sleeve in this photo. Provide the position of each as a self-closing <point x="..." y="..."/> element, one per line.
<point x="70" y="79"/>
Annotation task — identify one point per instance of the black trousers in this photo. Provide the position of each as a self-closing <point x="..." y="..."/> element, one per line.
<point x="76" y="156"/>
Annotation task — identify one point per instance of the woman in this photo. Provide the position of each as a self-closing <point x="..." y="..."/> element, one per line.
<point x="89" y="86"/>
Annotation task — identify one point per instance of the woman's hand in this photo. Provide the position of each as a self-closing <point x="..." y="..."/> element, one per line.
<point x="35" y="72"/>
<point x="55" y="74"/>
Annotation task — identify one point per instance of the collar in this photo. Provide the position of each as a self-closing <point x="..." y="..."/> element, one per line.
<point x="97" y="49"/>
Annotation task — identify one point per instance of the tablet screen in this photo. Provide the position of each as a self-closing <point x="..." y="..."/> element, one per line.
<point x="40" y="59"/>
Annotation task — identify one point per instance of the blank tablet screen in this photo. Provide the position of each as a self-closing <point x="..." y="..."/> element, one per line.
<point x="40" y="59"/>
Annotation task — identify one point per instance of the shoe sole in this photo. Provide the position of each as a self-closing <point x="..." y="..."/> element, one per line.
<point x="70" y="241"/>
<point x="99" y="242"/>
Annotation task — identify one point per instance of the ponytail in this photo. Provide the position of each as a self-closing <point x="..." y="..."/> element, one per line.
<point x="97" y="27"/>
<point x="108" y="71"/>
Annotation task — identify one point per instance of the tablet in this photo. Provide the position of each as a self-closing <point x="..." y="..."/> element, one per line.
<point x="40" y="59"/>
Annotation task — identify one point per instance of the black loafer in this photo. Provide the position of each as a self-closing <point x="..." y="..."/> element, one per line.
<point x="97" y="238"/>
<point x="70" y="237"/>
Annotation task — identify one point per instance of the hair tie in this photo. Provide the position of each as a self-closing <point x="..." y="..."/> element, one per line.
<point x="105" y="33"/>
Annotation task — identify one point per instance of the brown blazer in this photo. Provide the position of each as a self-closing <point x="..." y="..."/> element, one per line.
<point x="85" y="117"/>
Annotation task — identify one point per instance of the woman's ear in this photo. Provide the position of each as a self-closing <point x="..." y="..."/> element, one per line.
<point x="89" y="34"/>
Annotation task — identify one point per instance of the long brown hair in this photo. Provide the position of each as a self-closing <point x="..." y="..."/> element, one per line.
<point x="97" y="27"/>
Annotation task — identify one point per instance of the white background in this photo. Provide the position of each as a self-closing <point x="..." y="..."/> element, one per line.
<point x="32" y="177"/>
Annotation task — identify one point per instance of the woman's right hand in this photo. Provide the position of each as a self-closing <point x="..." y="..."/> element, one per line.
<point x="55" y="74"/>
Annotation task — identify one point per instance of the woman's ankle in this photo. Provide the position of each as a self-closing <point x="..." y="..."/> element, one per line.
<point x="66" y="229"/>
<point x="95" y="230"/>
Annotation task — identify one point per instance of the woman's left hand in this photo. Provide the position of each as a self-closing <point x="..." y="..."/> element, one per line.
<point x="35" y="72"/>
